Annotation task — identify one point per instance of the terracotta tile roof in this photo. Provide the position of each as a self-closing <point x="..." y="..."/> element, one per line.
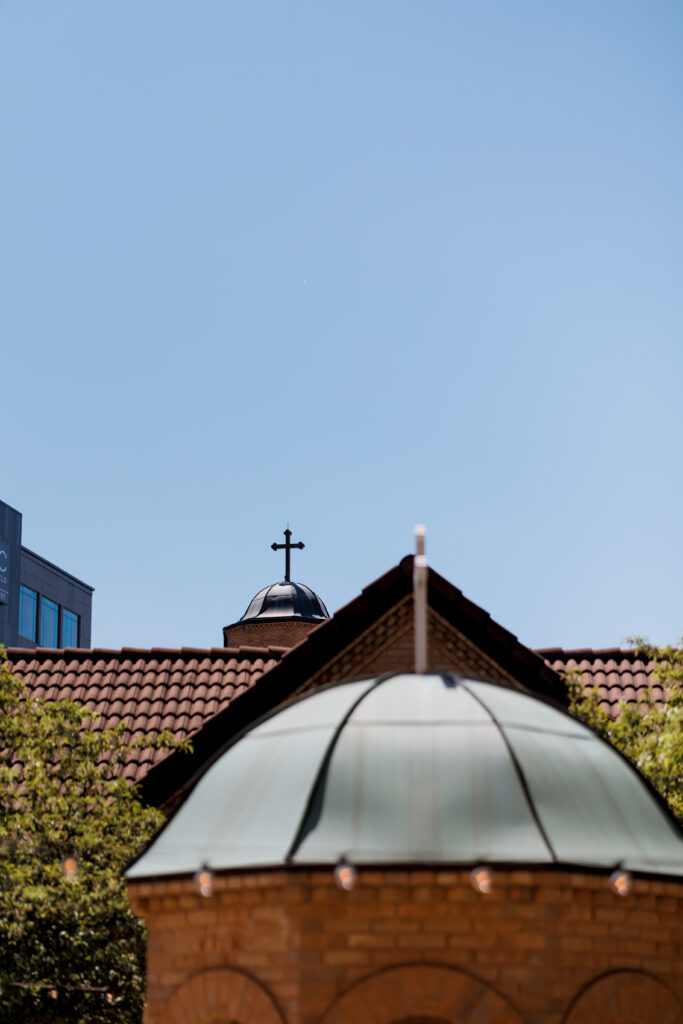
<point x="618" y="674"/>
<point x="155" y="689"/>
<point x="192" y="692"/>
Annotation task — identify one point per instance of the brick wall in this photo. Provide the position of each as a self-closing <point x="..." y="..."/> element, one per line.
<point x="541" y="948"/>
<point x="266" y="634"/>
<point x="389" y="646"/>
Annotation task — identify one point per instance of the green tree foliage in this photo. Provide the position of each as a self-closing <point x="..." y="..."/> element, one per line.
<point x="650" y="732"/>
<point x="62" y="796"/>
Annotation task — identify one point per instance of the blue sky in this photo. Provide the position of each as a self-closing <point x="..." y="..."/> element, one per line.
<point x="349" y="266"/>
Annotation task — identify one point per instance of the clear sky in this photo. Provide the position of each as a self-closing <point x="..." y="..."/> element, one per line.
<point x="348" y="266"/>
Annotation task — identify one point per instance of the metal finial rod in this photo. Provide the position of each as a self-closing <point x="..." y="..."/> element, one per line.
<point x="420" y="601"/>
<point x="287" y="549"/>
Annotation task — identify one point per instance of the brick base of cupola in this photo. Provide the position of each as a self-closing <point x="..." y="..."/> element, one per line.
<point x="267" y="633"/>
<point x="544" y="947"/>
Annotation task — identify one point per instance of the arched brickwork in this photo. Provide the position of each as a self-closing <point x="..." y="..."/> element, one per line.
<point x="221" y="996"/>
<point x="421" y="1019"/>
<point x="421" y="992"/>
<point x="625" y="997"/>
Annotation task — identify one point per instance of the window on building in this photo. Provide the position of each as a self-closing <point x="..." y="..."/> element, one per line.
<point x="49" y="623"/>
<point x="28" y="613"/>
<point x="69" y="629"/>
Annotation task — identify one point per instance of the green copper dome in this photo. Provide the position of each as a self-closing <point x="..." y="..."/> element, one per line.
<point x="411" y="769"/>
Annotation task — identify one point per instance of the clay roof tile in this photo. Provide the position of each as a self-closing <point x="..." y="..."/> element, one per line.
<point x="619" y="674"/>
<point x="155" y="689"/>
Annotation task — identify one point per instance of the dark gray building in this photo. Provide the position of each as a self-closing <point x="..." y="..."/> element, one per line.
<point x="41" y="605"/>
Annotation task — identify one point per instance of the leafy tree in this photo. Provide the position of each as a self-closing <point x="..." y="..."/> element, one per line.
<point x="70" y="948"/>
<point x="649" y="732"/>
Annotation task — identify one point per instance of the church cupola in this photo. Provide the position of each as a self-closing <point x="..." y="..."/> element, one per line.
<point x="287" y="600"/>
<point x="281" y="614"/>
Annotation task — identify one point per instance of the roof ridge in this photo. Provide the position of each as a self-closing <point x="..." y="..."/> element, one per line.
<point x="43" y="653"/>
<point x="587" y="652"/>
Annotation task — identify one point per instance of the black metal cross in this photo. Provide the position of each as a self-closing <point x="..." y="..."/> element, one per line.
<point x="288" y="547"/>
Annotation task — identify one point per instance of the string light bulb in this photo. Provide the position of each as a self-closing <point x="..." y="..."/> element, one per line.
<point x="481" y="878"/>
<point x="204" y="881"/>
<point x="346" y="876"/>
<point x="70" y="867"/>
<point x="53" y="993"/>
<point x="109" y="996"/>
<point x="621" y="882"/>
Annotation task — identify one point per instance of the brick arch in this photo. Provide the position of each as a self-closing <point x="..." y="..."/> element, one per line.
<point x="221" y="996"/>
<point x="421" y="991"/>
<point x="625" y="997"/>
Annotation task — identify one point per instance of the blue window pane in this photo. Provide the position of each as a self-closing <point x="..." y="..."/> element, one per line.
<point x="69" y="629"/>
<point x="49" y="621"/>
<point x="28" y="613"/>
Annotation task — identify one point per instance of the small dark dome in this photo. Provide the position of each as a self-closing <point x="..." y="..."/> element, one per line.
<point x="286" y="601"/>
